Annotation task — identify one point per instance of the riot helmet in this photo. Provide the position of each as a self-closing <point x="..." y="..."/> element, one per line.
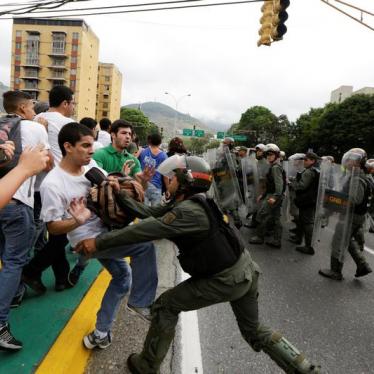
<point x="328" y="158"/>
<point x="193" y="173"/>
<point x="260" y="147"/>
<point x="355" y="157"/>
<point x="369" y="165"/>
<point x="229" y="142"/>
<point x="272" y="149"/>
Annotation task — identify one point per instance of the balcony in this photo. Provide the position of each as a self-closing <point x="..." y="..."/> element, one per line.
<point x="59" y="52"/>
<point x="57" y="67"/>
<point x="26" y="77"/>
<point x="53" y="78"/>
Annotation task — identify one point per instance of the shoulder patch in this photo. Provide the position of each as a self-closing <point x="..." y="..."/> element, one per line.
<point x="169" y="218"/>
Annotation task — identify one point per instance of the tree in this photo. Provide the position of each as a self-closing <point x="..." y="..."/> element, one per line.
<point x="142" y="126"/>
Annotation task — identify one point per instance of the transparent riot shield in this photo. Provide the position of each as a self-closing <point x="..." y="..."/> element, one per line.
<point x="226" y="185"/>
<point x="334" y="209"/>
<point x="250" y="182"/>
<point x="286" y="204"/>
<point x="262" y="169"/>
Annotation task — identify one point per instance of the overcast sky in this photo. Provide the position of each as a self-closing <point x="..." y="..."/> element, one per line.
<point x="212" y="54"/>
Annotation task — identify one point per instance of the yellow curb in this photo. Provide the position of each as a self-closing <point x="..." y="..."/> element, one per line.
<point x="67" y="354"/>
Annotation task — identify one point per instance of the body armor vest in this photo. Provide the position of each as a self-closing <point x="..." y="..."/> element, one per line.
<point x="219" y="249"/>
<point x="270" y="183"/>
<point x="308" y="197"/>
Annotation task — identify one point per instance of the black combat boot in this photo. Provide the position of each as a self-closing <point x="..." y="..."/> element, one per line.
<point x="335" y="271"/>
<point x="306" y="250"/>
<point x="363" y="269"/>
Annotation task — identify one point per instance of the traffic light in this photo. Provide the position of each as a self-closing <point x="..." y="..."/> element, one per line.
<point x="279" y="18"/>
<point x="266" y="23"/>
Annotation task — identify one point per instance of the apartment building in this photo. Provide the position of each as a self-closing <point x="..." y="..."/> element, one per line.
<point x="50" y="52"/>
<point x="109" y="87"/>
<point x="343" y="92"/>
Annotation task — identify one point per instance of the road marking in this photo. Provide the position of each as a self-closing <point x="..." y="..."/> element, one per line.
<point x="191" y="349"/>
<point x="367" y="249"/>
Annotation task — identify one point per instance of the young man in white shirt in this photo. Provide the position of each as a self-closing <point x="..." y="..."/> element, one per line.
<point x="65" y="185"/>
<point x="16" y="218"/>
<point x="61" y="108"/>
<point x="103" y="136"/>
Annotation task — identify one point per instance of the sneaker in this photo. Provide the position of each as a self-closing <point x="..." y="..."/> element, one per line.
<point x="75" y="274"/>
<point x="17" y="300"/>
<point x="144" y="313"/>
<point x="7" y="341"/>
<point x="92" y="341"/>
<point x="34" y="283"/>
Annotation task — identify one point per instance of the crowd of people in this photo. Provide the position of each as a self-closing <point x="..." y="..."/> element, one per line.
<point x="305" y="187"/>
<point x="54" y="169"/>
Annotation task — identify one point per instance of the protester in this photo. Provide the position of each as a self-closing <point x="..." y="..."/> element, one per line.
<point x="103" y="136"/>
<point x="92" y="125"/>
<point x="176" y="146"/>
<point x="152" y="157"/>
<point x="16" y="218"/>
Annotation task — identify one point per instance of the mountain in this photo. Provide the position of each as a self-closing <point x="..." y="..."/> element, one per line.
<point x="3" y="88"/>
<point x="164" y="116"/>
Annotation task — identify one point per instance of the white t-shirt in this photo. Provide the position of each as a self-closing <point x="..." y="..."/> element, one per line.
<point x="97" y="145"/>
<point x="57" y="191"/>
<point x="32" y="134"/>
<point x="55" y="122"/>
<point x="104" y="138"/>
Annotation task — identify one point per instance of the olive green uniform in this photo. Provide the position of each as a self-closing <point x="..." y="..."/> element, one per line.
<point x="306" y="182"/>
<point x="269" y="214"/>
<point x="236" y="284"/>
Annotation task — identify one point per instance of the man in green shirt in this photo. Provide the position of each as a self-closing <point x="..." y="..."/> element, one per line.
<point x="114" y="157"/>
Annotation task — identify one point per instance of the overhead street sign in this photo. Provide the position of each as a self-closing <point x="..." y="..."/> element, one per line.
<point x="220" y="134"/>
<point x="199" y="133"/>
<point x="240" y="138"/>
<point x="187" y="132"/>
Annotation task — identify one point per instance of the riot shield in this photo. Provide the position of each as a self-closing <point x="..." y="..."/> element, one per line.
<point x="262" y="169"/>
<point x="250" y="182"/>
<point x="286" y="204"/>
<point x="334" y="209"/>
<point x="226" y="185"/>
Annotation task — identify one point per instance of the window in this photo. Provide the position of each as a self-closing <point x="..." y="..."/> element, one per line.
<point x="73" y="72"/>
<point x="73" y="84"/>
<point x="17" y="69"/>
<point x="58" y="73"/>
<point x="105" y="105"/>
<point x="18" y="45"/>
<point x="75" y="35"/>
<point x="106" y="87"/>
<point x="74" y="59"/>
<point x="58" y="42"/>
<point x="32" y="49"/>
<point x="58" y="62"/>
<point x="105" y="114"/>
<point x="17" y="81"/>
<point x="18" y="33"/>
<point x="57" y="83"/>
<point x="106" y="97"/>
<point x="31" y="72"/>
<point x="31" y="84"/>
<point x="17" y="57"/>
<point x="107" y="78"/>
<point x="74" y="47"/>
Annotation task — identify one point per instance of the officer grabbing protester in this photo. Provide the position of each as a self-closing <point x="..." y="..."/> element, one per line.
<point x="210" y="250"/>
<point x="305" y="186"/>
<point x="269" y="212"/>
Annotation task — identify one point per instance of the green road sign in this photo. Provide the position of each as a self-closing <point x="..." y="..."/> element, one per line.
<point x="199" y="133"/>
<point x="187" y="132"/>
<point x="241" y="138"/>
<point x="220" y="135"/>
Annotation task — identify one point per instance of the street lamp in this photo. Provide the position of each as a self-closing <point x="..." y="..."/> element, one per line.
<point x="177" y="101"/>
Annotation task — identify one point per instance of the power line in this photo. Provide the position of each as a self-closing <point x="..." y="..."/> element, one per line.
<point x="152" y="9"/>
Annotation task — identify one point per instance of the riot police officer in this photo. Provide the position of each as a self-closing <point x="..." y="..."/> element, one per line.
<point x="354" y="158"/>
<point x="271" y="200"/>
<point x="306" y="188"/>
<point x="211" y="251"/>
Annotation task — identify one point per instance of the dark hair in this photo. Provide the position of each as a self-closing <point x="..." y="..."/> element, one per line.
<point x="59" y="94"/>
<point x="154" y="139"/>
<point x="41" y="107"/>
<point x="119" y="124"/>
<point x="89" y="122"/>
<point x="176" y="146"/>
<point x="71" y="133"/>
<point x="12" y="100"/>
<point x="105" y="124"/>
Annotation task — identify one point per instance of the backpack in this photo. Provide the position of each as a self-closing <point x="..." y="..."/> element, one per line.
<point x="10" y="129"/>
<point x="105" y="203"/>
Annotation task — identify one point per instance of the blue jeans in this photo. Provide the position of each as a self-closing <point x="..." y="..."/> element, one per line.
<point x="144" y="271"/>
<point x="118" y="287"/>
<point x="16" y="237"/>
<point x="152" y="195"/>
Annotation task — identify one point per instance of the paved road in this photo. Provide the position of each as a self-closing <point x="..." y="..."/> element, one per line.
<point x="332" y="322"/>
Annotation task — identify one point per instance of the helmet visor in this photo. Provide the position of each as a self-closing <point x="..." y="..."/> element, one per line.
<point x="168" y="167"/>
